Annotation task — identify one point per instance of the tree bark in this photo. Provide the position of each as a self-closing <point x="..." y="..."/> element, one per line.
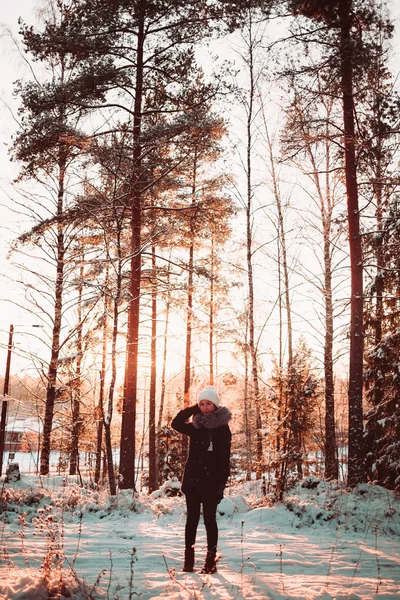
<point x="355" y="444"/>
<point x="331" y="459"/>
<point x="326" y="208"/>
<point x="110" y="405"/>
<point x="98" y="414"/>
<point x="249" y="254"/>
<point x="55" y="342"/>
<point x="153" y="379"/>
<point x="128" y="427"/>
<point x="379" y="276"/>
<point x="76" y="398"/>
<point x="286" y="411"/>
<point x="6" y="390"/>
<point x="115" y="330"/>
<point x="164" y="364"/>
<point x="249" y="462"/>
<point x="283" y="250"/>
<point x="189" y="323"/>
<point x="280" y="364"/>
<point x="211" y="316"/>
<point x="100" y="407"/>
<point x="189" y="309"/>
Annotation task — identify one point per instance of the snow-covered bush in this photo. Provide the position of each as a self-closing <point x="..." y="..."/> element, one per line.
<point x="168" y="498"/>
<point x="232" y="504"/>
<point x="357" y="510"/>
<point x="18" y="500"/>
<point x="171" y="487"/>
<point x="34" y="585"/>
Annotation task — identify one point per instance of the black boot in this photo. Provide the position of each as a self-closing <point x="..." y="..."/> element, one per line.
<point x="188" y="565"/>
<point x="210" y="565"/>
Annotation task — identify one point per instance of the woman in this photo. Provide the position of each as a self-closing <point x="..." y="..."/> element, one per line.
<point x="206" y="470"/>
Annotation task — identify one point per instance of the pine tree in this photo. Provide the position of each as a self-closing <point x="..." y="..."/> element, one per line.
<point x="349" y="26"/>
<point x="382" y="428"/>
<point x="154" y="45"/>
<point x="309" y="143"/>
<point x="378" y="128"/>
<point x="48" y="141"/>
<point x="300" y="386"/>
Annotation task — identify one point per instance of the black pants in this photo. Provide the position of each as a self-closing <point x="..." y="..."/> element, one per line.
<point x="193" y="501"/>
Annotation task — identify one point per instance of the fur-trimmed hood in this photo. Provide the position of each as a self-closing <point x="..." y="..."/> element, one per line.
<point x="219" y="417"/>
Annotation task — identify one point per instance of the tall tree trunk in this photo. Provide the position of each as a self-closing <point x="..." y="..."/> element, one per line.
<point x="56" y="332"/>
<point x="189" y="309"/>
<point x="326" y="208"/>
<point x="379" y="276"/>
<point x="110" y="407"/>
<point x="164" y="363"/>
<point x="109" y="459"/>
<point x="128" y="426"/>
<point x="98" y="415"/>
<point x="153" y="379"/>
<point x="211" y="316"/>
<point x="189" y="324"/>
<point x="100" y="407"/>
<point x="280" y="361"/>
<point x="249" y="462"/>
<point x="6" y="393"/>
<point x="355" y="451"/>
<point x="249" y="252"/>
<point x="76" y="398"/>
<point x="284" y="270"/>
<point x="282" y="242"/>
<point x="331" y="458"/>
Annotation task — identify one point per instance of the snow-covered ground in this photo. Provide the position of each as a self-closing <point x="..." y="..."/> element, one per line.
<point x="320" y="543"/>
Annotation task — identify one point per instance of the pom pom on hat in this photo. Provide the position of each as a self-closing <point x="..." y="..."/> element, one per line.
<point x="209" y="393"/>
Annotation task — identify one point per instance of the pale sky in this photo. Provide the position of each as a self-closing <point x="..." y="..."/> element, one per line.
<point x="13" y="67"/>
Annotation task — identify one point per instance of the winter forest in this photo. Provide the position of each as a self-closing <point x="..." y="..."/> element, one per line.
<point x="193" y="193"/>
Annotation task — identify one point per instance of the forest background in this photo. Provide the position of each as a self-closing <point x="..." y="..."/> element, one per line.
<point x="235" y="169"/>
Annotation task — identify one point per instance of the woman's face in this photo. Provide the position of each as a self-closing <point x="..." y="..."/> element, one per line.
<point x="206" y="406"/>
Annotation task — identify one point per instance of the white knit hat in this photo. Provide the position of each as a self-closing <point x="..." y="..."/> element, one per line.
<point x="209" y="393"/>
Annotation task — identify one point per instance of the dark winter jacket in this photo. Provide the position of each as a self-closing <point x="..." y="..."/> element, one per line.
<point x="207" y="467"/>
